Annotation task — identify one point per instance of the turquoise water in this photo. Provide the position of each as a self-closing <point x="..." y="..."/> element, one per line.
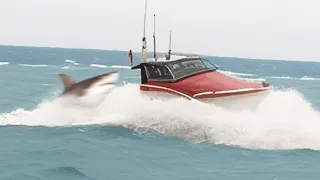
<point x="132" y="137"/>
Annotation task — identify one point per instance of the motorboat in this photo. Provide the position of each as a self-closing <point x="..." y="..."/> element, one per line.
<point x="196" y="78"/>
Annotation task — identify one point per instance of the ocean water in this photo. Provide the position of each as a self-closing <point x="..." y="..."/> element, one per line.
<point x="131" y="137"/>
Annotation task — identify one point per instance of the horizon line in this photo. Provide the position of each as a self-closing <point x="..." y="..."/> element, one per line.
<point x="99" y="49"/>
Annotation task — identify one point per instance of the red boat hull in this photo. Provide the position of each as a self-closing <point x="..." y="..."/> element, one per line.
<point x="206" y="85"/>
<point x="211" y="87"/>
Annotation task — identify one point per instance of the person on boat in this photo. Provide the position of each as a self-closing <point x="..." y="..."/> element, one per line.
<point x="143" y="40"/>
<point x="130" y="57"/>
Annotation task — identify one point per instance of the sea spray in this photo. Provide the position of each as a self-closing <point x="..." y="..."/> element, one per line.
<point x="284" y="120"/>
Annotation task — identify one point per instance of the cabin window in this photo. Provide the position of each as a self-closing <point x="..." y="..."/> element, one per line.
<point x="144" y="78"/>
<point x="193" y="64"/>
<point x="188" y="67"/>
<point x="156" y="72"/>
<point x="208" y="64"/>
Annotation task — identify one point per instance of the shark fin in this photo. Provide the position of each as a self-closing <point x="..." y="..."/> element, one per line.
<point x="67" y="81"/>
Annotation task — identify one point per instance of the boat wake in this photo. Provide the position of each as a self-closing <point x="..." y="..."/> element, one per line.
<point x="285" y="120"/>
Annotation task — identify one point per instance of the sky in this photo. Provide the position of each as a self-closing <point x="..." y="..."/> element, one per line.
<point x="265" y="29"/>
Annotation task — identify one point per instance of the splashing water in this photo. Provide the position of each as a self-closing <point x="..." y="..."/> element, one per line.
<point x="284" y="120"/>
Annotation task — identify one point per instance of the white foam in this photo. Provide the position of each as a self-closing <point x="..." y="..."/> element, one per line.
<point x="98" y="65"/>
<point x="72" y="62"/>
<point x="304" y="78"/>
<point x="285" y="120"/>
<point x="249" y="79"/>
<point x="69" y="61"/>
<point x="239" y="76"/>
<point x="121" y="67"/>
<point x="4" y="63"/>
<point x="281" y="77"/>
<point x="236" y="73"/>
<point x="34" y="65"/>
<point x="113" y="66"/>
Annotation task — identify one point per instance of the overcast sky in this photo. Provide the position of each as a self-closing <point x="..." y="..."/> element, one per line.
<point x="275" y="29"/>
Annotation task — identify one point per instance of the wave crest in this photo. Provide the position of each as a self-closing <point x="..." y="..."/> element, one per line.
<point x="34" y="65"/>
<point x="113" y="66"/>
<point x="4" y="63"/>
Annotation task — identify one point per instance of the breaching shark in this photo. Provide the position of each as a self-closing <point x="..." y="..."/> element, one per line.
<point x="89" y="92"/>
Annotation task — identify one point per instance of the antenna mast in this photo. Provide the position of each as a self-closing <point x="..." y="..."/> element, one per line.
<point x="169" y="54"/>
<point x="144" y="41"/>
<point x="154" y="38"/>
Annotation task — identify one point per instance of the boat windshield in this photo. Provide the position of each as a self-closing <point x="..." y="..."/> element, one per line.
<point x="171" y="71"/>
<point x="184" y="68"/>
<point x="159" y="73"/>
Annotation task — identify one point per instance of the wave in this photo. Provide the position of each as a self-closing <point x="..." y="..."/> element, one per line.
<point x="249" y="79"/>
<point x="132" y="77"/>
<point x="240" y="76"/>
<point x="236" y="73"/>
<point x="304" y="78"/>
<point x="123" y="67"/>
<point x="98" y="66"/>
<point x="285" y="120"/>
<point x="34" y="65"/>
<point x="113" y="66"/>
<point x="4" y="63"/>
<point x="69" y="61"/>
<point x="72" y="62"/>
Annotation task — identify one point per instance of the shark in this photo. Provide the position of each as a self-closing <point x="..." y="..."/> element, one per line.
<point x="91" y="91"/>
